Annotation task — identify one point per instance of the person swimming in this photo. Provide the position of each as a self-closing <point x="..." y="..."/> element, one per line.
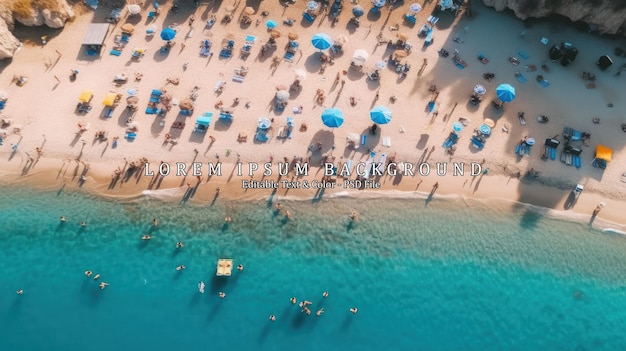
<point x="155" y="222"/>
<point x="319" y="312"/>
<point x="293" y="300"/>
<point x="63" y="219"/>
<point x="288" y="214"/>
<point x="180" y="268"/>
<point x="96" y="277"/>
<point x="240" y="268"/>
<point x="103" y="285"/>
<point x="306" y="310"/>
<point x="325" y="294"/>
<point x="272" y="318"/>
<point x="20" y="292"/>
<point x="180" y="245"/>
<point x="279" y="206"/>
<point x="88" y="274"/>
<point x="228" y="219"/>
<point x="354" y="215"/>
<point x="354" y="310"/>
<point x="201" y="287"/>
<point x="83" y="224"/>
<point x="146" y="237"/>
<point x="222" y="295"/>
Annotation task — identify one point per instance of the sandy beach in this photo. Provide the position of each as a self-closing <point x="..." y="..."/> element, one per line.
<point x="44" y="109"/>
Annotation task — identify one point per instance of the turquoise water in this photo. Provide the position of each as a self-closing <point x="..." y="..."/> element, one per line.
<point x="447" y="276"/>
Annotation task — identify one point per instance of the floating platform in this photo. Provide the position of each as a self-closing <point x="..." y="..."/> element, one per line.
<point x="224" y="267"/>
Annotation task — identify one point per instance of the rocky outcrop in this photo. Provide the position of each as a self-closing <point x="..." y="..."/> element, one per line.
<point x="54" y="15"/>
<point x="605" y="16"/>
<point x="8" y="43"/>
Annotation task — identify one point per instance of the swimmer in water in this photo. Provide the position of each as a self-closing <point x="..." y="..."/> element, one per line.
<point x="354" y="310"/>
<point x="272" y="318"/>
<point x="146" y="237"/>
<point x="293" y="300"/>
<point x="306" y="310"/>
<point x="63" y="219"/>
<point x="279" y="206"/>
<point x="155" y="222"/>
<point x="354" y="215"/>
<point x="103" y="285"/>
<point x="325" y="294"/>
<point x="96" y="277"/>
<point x="88" y="274"/>
<point x="222" y="295"/>
<point x="288" y="214"/>
<point x="179" y="245"/>
<point x="319" y="312"/>
<point x="228" y="219"/>
<point x="240" y="268"/>
<point x="20" y="292"/>
<point x="305" y="302"/>
<point x="83" y="224"/>
<point x="180" y="268"/>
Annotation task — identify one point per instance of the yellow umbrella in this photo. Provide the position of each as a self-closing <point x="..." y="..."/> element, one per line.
<point x="109" y="99"/>
<point x="249" y="11"/>
<point x="128" y="28"/>
<point x="85" y="96"/>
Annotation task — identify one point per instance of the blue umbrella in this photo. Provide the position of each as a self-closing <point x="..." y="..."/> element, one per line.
<point x="168" y="34"/>
<point x="322" y="41"/>
<point x="457" y="126"/>
<point x="380" y="115"/>
<point x="379" y="3"/>
<point x="505" y="92"/>
<point x="332" y="117"/>
<point x="358" y="11"/>
<point x="484" y="129"/>
<point x="264" y="123"/>
<point x="271" y="24"/>
<point x="92" y="3"/>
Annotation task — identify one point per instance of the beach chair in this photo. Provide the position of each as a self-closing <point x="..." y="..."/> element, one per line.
<point x="125" y="39"/>
<point x="432" y="20"/>
<point x="261" y="137"/>
<point x="238" y="79"/>
<point x="115" y="52"/>
<point x="289" y="56"/>
<point x="226" y="117"/>
<point x="429" y="38"/>
<point x="155" y="99"/>
<point x="307" y="17"/>
<point x="108" y="113"/>
<point x="150" y="32"/>
<point x="226" y="53"/>
<point x="290" y="124"/>
<point x="520" y="77"/>
<point x="151" y="111"/>
<point x="424" y="31"/>
<point x="387" y="141"/>
<point x="186" y="112"/>
<point x="375" y="10"/>
<point x="409" y="17"/>
<point x="523" y="55"/>
<point x="2" y="104"/>
<point x="130" y="136"/>
<point x="164" y="50"/>
<point x="156" y="92"/>
<point x="205" y="51"/>
<point x="477" y="143"/>
<point x="250" y="39"/>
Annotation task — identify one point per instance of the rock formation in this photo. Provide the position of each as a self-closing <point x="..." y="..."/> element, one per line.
<point x="53" y="13"/>
<point x="605" y="16"/>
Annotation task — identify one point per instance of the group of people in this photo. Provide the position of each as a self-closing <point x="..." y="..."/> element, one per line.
<point x="305" y="309"/>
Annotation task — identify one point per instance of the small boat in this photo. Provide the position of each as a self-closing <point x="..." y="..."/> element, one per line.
<point x="201" y="287"/>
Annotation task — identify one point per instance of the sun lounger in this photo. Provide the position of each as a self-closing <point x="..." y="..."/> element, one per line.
<point x="156" y="92"/>
<point x="226" y="117"/>
<point x="155" y="99"/>
<point x="576" y="161"/>
<point x="520" y="77"/>
<point x="115" y="52"/>
<point x="262" y="137"/>
<point x="205" y="51"/>
<point x="250" y="39"/>
<point x="307" y="17"/>
<point x="432" y="20"/>
<point x="387" y="141"/>
<point x="289" y="56"/>
<point x="544" y="83"/>
<point x="108" y="113"/>
<point x="409" y="17"/>
<point x="363" y="139"/>
<point x="282" y="133"/>
<point x="130" y="136"/>
<point x="125" y="39"/>
<point x="151" y="111"/>
<point x="477" y="143"/>
<point x="523" y="55"/>
<point x="226" y="53"/>
<point x="238" y="79"/>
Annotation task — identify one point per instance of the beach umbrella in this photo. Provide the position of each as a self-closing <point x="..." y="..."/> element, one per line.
<point x="264" y="123"/>
<point x="3" y="95"/>
<point x="128" y="28"/>
<point x="186" y="104"/>
<point x="445" y="4"/>
<point x="321" y="41"/>
<point x="134" y="9"/>
<point x="380" y="115"/>
<point x="505" y="92"/>
<point x="85" y="96"/>
<point x="358" y="11"/>
<point x="400" y="53"/>
<point x="271" y="24"/>
<point x="379" y="3"/>
<point x="229" y="9"/>
<point x="300" y="74"/>
<point x="293" y="36"/>
<point x="332" y="117"/>
<point x="530" y="141"/>
<point x="381" y="64"/>
<point x="341" y="39"/>
<point x="168" y="34"/>
<point x="109" y="99"/>
<point x="415" y="8"/>
<point x="484" y="129"/>
<point x="480" y="89"/>
<point x="249" y="11"/>
<point x="360" y="56"/>
<point x="457" y="126"/>
<point x="92" y="3"/>
<point x="312" y="5"/>
<point x="282" y="95"/>
<point x="275" y="34"/>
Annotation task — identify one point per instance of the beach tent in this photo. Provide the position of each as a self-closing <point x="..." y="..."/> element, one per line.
<point x="109" y="99"/>
<point x="604" y="155"/>
<point x="85" y="96"/>
<point x="95" y="35"/>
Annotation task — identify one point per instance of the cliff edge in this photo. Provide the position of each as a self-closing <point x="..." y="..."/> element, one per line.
<point x="605" y="16"/>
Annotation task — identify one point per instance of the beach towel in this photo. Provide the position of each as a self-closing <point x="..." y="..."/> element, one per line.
<point x="115" y="52"/>
<point x="544" y="83"/>
<point x="521" y="78"/>
<point x="523" y="55"/>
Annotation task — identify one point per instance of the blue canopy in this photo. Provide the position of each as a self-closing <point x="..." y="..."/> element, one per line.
<point x="168" y="34"/>
<point x="505" y="92"/>
<point x="485" y="129"/>
<point x="322" y="41"/>
<point x="358" y="11"/>
<point x="332" y="117"/>
<point x="457" y="126"/>
<point x="205" y="119"/>
<point x="92" y="3"/>
<point x="380" y="115"/>
<point x="271" y="24"/>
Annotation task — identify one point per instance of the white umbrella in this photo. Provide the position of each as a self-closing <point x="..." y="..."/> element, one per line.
<point x="3" y="95"/>
<point x="341" y="39"/>
<point x="360" y="56"/>
<point x="134" y="9"/>
<point x="415" y="8"/>
<point x="282" y="95"/>
<point x="300" y="74"/>
<point x="480" y="89"/>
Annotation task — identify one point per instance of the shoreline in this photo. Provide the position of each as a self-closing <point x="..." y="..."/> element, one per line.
<point x="175" y="189"/>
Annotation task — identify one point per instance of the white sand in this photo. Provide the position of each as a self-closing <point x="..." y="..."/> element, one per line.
<point x="45" y="107"/>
